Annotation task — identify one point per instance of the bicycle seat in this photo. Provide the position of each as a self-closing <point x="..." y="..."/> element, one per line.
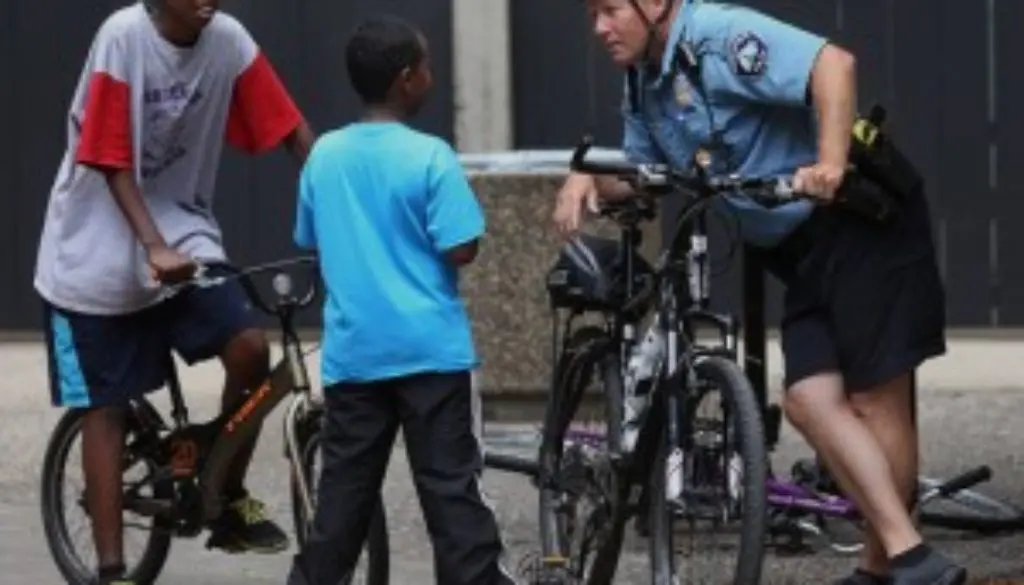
<point x="589" y="275"/>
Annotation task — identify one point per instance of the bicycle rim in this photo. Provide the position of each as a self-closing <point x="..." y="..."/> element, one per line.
<point x="724" y="506"/>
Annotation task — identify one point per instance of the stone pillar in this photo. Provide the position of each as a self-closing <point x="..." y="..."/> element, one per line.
<point x="482" y="75"/>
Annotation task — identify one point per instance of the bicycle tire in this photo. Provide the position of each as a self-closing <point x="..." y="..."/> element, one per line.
<point x="70" y="565"/>
<point x="745" y="414"/>
<point x="583" y="352"/>
<point x="377" y="547"/>
<point x="981" y="513"/>
<point x="660" y="542"/>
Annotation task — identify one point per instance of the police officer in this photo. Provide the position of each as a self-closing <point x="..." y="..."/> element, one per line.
<point x="864" y="305"/>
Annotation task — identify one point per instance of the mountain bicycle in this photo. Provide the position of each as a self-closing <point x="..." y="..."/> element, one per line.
<point x="183" y="465"/>
<point x="665" y="462"/>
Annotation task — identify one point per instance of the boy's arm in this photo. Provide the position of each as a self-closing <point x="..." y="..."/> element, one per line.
<point x="455" y="220"/>
<point x="464" y="254"/>
<point x="105" y="145"/>
<point x="300" y="141"/>
<point x="263" y="114"/>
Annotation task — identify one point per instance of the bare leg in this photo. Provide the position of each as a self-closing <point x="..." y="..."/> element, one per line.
<point x="818" y="408"/>
<point x="246" y="361"/>
<point x="102" y="447"/>
<point x="244" y="525"/>
<point x="886" y="411"/>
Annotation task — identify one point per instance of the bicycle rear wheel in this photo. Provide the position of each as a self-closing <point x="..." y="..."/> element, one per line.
<point x="75" y="561"/>
<point x="724" y="479"/>
<point x="374" y="564"/>
<point x="578" y="495"/>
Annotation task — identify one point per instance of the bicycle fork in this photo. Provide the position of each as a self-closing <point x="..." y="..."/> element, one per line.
<point x="296" y="410"/>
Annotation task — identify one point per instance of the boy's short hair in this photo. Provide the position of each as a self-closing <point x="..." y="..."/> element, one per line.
<point x="378" y="50"/>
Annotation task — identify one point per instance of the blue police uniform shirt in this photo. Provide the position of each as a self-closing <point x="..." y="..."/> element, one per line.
<point x="381" y="204"/>
<point x="755" y="72"/>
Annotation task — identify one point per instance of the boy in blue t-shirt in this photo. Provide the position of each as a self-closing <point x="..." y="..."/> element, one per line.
<point x="392" y="217"/>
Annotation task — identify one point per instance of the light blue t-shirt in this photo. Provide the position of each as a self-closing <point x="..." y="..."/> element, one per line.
<point x="381" y="203"/>
<point x="755" y="72"/>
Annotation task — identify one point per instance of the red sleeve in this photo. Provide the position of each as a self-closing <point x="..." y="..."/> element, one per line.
<point x="262" y="113"/>
<point x="106" y="136"/>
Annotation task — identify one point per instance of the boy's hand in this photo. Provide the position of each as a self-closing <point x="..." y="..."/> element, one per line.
<point x="169" y="266"/>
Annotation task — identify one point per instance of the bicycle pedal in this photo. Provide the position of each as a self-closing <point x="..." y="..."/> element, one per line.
<point x="551" y="576"/>
<point x="545" y="571"/>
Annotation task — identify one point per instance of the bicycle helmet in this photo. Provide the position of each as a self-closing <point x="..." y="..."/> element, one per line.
<point x="589" y="275"/>
<point x="652" y="25"/>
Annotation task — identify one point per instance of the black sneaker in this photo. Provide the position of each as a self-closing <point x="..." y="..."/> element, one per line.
<point x="923" y="565"/>
<point x="862" y="577"/>
<point x="244" y="527"/>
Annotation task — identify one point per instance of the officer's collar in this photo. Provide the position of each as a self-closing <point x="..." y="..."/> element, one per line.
<point x="675" y="34"/>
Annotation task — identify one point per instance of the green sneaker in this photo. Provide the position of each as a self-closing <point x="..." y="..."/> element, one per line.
<point x="244" y="527"/>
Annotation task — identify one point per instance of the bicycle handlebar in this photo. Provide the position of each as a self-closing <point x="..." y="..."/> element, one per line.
<point x="282" y="283"/>
<point x="660" y="179"/>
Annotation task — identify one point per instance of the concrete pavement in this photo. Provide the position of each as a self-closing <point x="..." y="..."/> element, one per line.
<point x="972" y="405"/>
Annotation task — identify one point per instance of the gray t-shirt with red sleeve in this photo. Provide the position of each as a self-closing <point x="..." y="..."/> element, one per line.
<point x="164" y="112"/>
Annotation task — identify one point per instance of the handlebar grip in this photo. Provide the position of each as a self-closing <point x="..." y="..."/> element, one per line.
<point x="965" y="480"/>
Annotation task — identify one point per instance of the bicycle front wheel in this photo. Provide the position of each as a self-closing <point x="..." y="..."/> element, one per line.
<point x="966" y="510"/>
<point x="724" y="479"/>
<point x="62" y="497"/>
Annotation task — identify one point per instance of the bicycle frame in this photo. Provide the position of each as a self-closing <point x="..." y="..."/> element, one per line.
<point x="230" y="431"/>
<point x="686" y="255"/>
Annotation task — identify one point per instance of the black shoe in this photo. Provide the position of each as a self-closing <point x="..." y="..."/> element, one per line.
<point x="923" y="565"/>
<point x="862" y="577"/>
<point x="244" y="527"/>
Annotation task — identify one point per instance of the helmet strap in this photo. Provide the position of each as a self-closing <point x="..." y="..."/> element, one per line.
<point x="652" y="26"/>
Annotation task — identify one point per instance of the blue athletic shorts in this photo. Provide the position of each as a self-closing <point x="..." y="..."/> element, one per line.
<point x="102" y="360"/>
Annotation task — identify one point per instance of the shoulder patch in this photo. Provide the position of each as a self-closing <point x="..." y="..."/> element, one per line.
<point x="749" y="54"/>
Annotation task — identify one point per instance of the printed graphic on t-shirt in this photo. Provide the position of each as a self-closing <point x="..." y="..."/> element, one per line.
<point x="166" y="112"/>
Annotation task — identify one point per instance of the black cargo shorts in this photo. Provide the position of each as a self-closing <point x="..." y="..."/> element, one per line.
<point x="862" y="299"/>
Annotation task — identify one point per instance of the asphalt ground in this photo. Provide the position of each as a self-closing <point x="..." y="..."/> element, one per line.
<point x="961" y="427"/>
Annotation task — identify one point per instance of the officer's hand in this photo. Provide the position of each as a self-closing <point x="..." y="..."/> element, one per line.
<point x="820" y="180"/>
<point x="577" y="192"/>
<point x="169" y="266"/>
